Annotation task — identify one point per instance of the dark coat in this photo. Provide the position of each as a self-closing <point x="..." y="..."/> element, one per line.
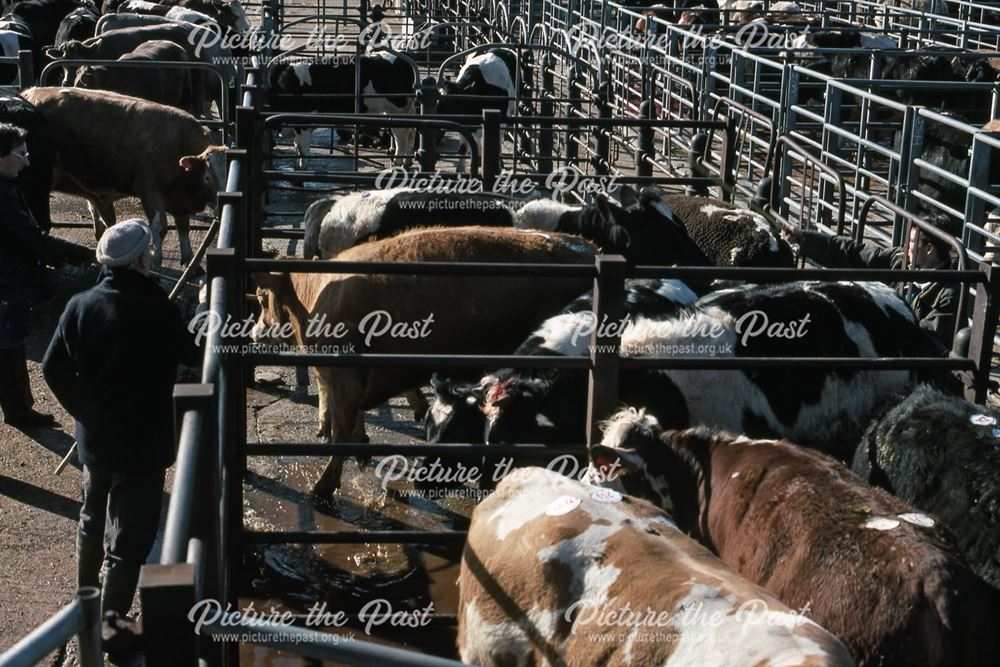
<point x="935" y="304"/>
<point x="112" y="364"/>
<point x="24" y="251"/>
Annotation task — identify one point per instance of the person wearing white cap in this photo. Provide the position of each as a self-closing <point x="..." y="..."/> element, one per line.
<point x="112" y="363"/>
<point x="25" y="250"/>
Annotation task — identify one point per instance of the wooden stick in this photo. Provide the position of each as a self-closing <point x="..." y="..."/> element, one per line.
<point x="69" y="455"/>
<point x="195" y="261"/>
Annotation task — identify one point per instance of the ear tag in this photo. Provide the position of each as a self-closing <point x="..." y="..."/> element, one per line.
<point x="563" y="505"/>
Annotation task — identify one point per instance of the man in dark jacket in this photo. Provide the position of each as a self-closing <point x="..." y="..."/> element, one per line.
<point x="934" y="303"/>
<point x="24" y="251"/>
<point x="112" y="364"/>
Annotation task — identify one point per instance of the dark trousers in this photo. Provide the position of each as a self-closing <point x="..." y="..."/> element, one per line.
<point x="125" y="509"/>
<point x="15" y="387"/>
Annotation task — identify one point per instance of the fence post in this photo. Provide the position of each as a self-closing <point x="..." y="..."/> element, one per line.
<point x="490" y="150"/>
<point x="602" y="133"/>
<point x="427" y="97"/>
<point x="25" y="70"/>
<point x="609" y="308"/>
<point x="575" y="110"/>
<point x="644" y="155"/>
<point x="167" y="594"/>
<point x="545" y="136"/>
<point x="984" y="327"/>
<point x="89" y="637"/>
<point x="979" y="177"/>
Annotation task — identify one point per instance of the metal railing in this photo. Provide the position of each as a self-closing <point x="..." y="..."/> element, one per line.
<point x="80" y="618"/>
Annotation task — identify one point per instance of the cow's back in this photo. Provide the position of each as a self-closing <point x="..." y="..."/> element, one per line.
<point x="940" y="453"/>
<point x="105" y="140"/>
<point x="552" y="571"/>
<point x="884" y="578"/>
<point x="468" y="315"/>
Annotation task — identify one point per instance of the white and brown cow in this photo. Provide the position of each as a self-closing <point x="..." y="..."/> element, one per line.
<point x="110" y="146"/>
<point x="558" y="572"/>
<point x="470" y="315"/>
<point x="886" y="579"/>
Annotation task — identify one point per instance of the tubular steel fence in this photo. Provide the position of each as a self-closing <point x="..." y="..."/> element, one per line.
<point x="661" y="103"/>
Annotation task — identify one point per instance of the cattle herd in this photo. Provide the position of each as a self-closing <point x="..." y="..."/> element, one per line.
<point x="776" y="515"/>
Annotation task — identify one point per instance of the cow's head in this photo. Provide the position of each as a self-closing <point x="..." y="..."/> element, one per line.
<point x="655" y="234"/>
<point x="517" y="410"/>
<point x="205" y="173"/>
<point x="272" y="289"/>
<point x="456" y="413"/>
<point x="240" y="23"/>
<point x="630" y="458"/>
<point x="89" y="77"/>
<point x="70" y="50"/>
<point x="452" y="101"/>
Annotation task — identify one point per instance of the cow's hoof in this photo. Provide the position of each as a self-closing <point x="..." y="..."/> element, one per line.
<point x="323" y="489"/>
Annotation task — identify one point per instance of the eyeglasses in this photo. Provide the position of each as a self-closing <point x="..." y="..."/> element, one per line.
<point x="23" y="156"/>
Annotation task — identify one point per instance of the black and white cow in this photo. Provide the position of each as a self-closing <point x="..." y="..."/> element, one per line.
<point x="486" y="81"/>
<point x="42" y="17"/>
<point x="816" y="407"/>
<point x="645" y="231"/>
<point x="387" y="83"/>
<point x="456" y="415"/>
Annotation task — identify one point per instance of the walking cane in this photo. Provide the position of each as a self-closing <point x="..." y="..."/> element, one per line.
<point x="69" y="455"/>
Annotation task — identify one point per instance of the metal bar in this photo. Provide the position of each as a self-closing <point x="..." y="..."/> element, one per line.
<point x="317" y="645"/>
<point x="50" y="635"/>
<point x="354" y="537"/>
<point x="528" y="450"/>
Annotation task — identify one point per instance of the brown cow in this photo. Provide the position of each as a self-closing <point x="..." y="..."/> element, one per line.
<point x="110" y="146"/>
<point x="558" y="572"/>
<point x="884" y="578"/>
<point x="481" y="315"/>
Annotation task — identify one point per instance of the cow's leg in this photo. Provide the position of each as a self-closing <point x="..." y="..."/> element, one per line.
<point x="324" y="407"/>
<point x="343" y="390"/>
<point x="303" y="140"/>
<point x="183" y="225"/>
<point x="403" y="140"/>
<point x="419" y="404"/>
<point x="158" y="227"/>
<point x="102" y="212"/>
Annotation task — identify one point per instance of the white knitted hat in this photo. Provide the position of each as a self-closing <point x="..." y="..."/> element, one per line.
<point x="122" y="243"/>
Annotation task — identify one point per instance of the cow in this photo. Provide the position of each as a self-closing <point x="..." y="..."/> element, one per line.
<point x="362" y="216"/>
<point x="724" y="233"/>
<point x="35" y="180"/>
<point x="387" y="83"/>
<point x="643" y="232"/>
<point x="15" y="36"/>
<point x="113" y="44"/>
<point x="456" y="414"/>
<point x="884" y="578"/>
<point x="948" y="149"/>
<point x="228" y="13"/>
<point x="939" y="453"/>
<point x="164" y="85"/>
<point x="79" y="24"/>
<point x="143" y="8"/>
<point x="818" y="407"/>
<point x="487" y="80"/>
<point x="559" y="572"/>
<point x="95" y="134"/>
<point x="42" y="17"/>
<point x="474" y="315"/>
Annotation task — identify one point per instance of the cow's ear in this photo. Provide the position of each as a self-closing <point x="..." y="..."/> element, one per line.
<point x="190" y="162"/>
<point x="440" y="384"/>
<point x="270" y="281"/>
<point x="615" y="458"/>
<point x="627" y="196"/>
<point x="603" y="206"/>
<point x="55" y="52"/>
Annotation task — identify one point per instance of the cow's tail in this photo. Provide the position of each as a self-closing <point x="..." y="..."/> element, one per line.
<point x="312" y="223"/>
